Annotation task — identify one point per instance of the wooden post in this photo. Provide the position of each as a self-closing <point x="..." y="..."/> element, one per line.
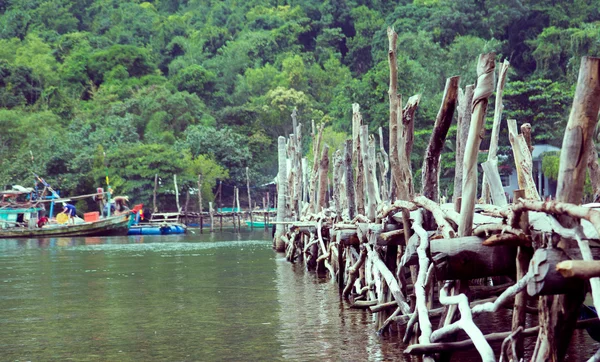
<point x="405" y="144"/>
<point x="430" y="187"/>
<point x="395" y="101"/>
<point x="522" y="264"/>
<point x="212" y="215"/>
<point x="314" y="175"/>
<point x="220" y="195"/>
<point x="176" y="193"/>
<point x="385" y="168"/>
<point x="484" y="88"/>
<point x="281" y="193"/>
<point x="360" y="178"/>
<point x="248" y="189"/>
<point x="187" y="201"/>
<point x="490" y="169"/>
<point x="594" y="168"/>
<point x="559" y="313"/>
<point x="337" y="181"/>
<point x="368" y="172"/>
<point x="323" y="170"/>
<point x="349" y="179"/>
<point x="523" y="161"/>
<point x="200" y="200"/>
<point x="462" y="133"/>
<point x="237" y="200"/>
<point x="153" y="194"/>
<point x="498" y="107"/>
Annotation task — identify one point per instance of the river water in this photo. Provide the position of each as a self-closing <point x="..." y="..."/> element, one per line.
<point x="193" y="297"/>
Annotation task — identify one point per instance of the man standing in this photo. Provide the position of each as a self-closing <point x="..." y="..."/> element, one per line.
<point x="69" y="210"/>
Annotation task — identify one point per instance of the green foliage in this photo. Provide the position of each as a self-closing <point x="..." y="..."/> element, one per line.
<point x="214" y="83"/>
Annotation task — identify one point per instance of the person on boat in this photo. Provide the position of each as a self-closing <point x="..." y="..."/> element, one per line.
<point x="69" y="210"/>
<point x="121" y="205"/>
<point x="42" y="221"/>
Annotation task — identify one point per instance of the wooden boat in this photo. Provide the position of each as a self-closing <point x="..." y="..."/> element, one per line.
<point x="20" y="210"/>
<point x="111" y="226"/>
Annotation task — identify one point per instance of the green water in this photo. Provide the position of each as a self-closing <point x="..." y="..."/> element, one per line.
<point x="211" y="297"/>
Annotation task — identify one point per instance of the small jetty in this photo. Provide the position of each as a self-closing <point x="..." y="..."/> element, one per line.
<point x="412" y="259"/>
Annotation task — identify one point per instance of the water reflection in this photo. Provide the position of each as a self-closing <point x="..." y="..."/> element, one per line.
<point x="219" y="296"/>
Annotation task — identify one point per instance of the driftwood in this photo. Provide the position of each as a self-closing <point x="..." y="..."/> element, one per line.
<point x="322" y="188"/>
<point x="579" y="269"/>
<point x="558" y="314"/>
<point x="281" y="194"/>
<point x="462" y="133"/>
<point x="431" y="161"/>
<point x="523" y="161"/>
<point x="494" y="137"/>
<point x="356" y="155"/>
<point x="484" y="88"/>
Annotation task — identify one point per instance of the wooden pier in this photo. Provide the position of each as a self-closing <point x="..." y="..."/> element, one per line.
<point x="425" y="267"/>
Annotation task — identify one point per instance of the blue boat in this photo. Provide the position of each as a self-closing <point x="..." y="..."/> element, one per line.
<point x="159" y="224"/>
<point x="157" y="229"/>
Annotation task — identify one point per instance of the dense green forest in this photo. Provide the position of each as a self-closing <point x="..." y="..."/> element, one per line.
<point x="133" y="88"/>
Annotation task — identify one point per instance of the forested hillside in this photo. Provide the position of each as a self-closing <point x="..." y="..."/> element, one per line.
<point x="133" y="88"/>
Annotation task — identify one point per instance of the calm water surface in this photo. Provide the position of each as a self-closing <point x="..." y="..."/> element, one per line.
<point x="219" y="297"/>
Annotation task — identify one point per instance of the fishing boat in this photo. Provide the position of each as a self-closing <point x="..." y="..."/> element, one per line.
<point x="20" y="211"/>
<point x="159" y="224"/>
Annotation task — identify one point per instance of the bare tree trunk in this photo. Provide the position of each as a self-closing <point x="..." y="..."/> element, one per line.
<point x="405" y="144"/>
<point x="594" y="168"/>
<point x="323" y="169"/>
<point x="385" y="168"/>
<point x="558" y="314"/>
<point x="484" y="88"/>
<point x="462" y="133"/>
<point x="430" y="187"/>
<point x="314" y="175"/>
<point x="523" y="161"/>
<point x="337" y="181"/>
<point x="360" y="180"/>
<point x="368" y="173"/>
<point x="498" y="107"/>
<point x="281" y="195"/>
<point x="349" y="179"/>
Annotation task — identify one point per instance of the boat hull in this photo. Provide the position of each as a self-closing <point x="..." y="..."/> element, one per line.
<point x="171" y="229"/>
<point x="112" y="226"/>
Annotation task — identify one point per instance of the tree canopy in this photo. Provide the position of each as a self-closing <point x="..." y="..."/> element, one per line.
<point x="183" y="87"/>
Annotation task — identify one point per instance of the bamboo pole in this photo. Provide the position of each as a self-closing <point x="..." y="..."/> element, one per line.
<point x="212" y="216"/>
<point x="498" y="107"/>
<point x="199" y="184"/>
<point x="484" y="88"/>
<point x="559" y="313"/>
<point x="248" y="190"/>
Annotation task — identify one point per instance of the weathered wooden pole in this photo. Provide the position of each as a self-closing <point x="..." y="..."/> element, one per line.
<point x="498" y="107"/>
<point x="594" y="168"/>
<point x="176" y="193"/>
<point x="248" y="190"/>
<point x="522" y="264"/>
<point x="368" y="172"/>
<point x="211" y="212"/>
<point x="315" y="170"/>
<point x="200" y="199"/>
<point x="558" y="314"/>
<point x="360" y="177"/>
<point x="523" y="161"/>
<point x="430" y="187"/>
<point x="349" y="179"/>
<point x="462" y="133"/>
<point x="483" y="89"/>
<point x="323" y="169"/>
<point x="384" y="168"/>
<point x="337" y="181"/>
<point x="281" y="194"/>
<point x="405" y="144"/>
<point x="154" y="209"/>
